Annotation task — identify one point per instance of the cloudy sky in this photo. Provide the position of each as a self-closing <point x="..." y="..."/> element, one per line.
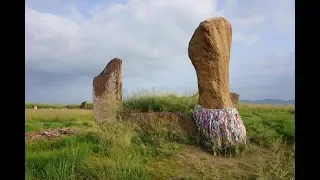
<point x="69" y="42"/>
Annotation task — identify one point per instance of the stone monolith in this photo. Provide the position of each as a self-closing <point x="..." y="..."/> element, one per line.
<point x="84" y="105"/>
<point x="217" y="121"/>
<point x="234" y="98"/>
<point x="107" y="92"/>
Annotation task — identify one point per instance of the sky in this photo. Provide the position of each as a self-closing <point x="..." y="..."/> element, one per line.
<point x="69" y="42"/>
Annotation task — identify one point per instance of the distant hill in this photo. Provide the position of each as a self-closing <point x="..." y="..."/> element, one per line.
<point x="269" y="101"/>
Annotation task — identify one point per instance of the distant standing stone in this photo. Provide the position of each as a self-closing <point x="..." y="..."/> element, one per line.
<point x="84" y="105"/>
<point x="107" y="92"/>
<point x="234" y="98"/>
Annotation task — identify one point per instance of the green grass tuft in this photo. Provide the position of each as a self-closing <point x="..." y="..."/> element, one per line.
<point x="158" y="149"/>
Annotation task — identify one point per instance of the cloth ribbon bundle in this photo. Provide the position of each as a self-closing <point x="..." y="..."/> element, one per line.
<point x="220" y="128"/>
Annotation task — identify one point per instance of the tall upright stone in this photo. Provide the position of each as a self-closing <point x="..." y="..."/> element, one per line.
<point x="107" y="92"/>
<point x="218" y="122"/>
<point x="209" y="51"/>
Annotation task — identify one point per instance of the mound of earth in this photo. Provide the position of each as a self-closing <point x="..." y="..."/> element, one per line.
<point x="184" y="121"/>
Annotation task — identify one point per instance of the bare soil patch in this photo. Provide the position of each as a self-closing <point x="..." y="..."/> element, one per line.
<point x="50" y="133"/>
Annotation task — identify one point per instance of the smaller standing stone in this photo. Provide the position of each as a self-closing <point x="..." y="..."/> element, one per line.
<point x="84" y="105"/>
<point x="234" y="98"/>
<point x="107" y="92"/>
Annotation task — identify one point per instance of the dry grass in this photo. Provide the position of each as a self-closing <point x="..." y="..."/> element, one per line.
<point x="57" y="118"/>
<point x="195" y="163"/>
<point x="158" y="150"/>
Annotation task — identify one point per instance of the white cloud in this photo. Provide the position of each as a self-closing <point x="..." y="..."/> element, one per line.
<point x="150" y="36"/>
<point x="285" y="17"/>
<point x="48" y="34"/>
<point x="248" y="40"/>
<point x="250" y="22"/>
<point x="152" y="29"/>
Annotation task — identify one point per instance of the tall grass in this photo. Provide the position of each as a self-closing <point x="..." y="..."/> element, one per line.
<point x="158" y="149"/>
<point x="57" y="106"/>
<point x="112" y="151"/>
<point x="170" y="103"/>
<point x="56" y="118"/>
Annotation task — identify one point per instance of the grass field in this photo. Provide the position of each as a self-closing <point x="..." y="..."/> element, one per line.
<point x="125" y="150"/>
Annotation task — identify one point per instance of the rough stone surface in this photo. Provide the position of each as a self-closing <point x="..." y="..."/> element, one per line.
<point x="234" y="98"/>
<point x="218" y="122"/>
<point x="84" y="105"/>
<point x="183" y="121"/>
<point x="209" y="52"/>
<point x="107" y="92"/>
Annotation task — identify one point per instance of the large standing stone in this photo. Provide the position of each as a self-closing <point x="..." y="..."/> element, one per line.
<point x="209" y="51"/>
<point x="107" y="92"/>
<point x="217" y="121"/>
